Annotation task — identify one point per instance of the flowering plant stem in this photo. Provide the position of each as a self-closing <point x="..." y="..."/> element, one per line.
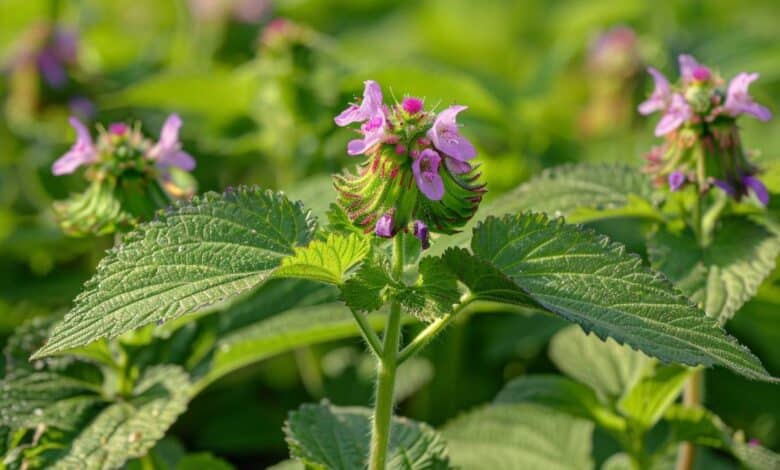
<point x="387" y="364"/>
<point x="692" y="397"/>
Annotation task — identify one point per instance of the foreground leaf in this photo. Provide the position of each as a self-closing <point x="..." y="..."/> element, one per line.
<point x="589" y="280"/>
<point x="435" y="292"/>
<point x="326" y="260"/>
<point x="505" y="436"/>
<point x="324" y="436"/>
<point x="196" y="254"/>
<point x="724" y="275"/>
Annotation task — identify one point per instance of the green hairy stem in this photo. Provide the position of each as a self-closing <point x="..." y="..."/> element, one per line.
<point x="387" y="365"/>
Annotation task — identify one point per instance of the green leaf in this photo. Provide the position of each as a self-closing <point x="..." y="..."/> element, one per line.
<point x="561" y="394"/>
<point x="202" y="461"/>
<point x="521" y="435"/>
<point x="198" y="253"/>
<point x="324" y="436"/>
<point x="435" y="292"/>
<point x="589" y="280"/>
<point x="647" y="400"/>
<point x="725" y="274"/>
<point x="364" y="291"/>
<point x="584" y="193"/>
<point x="326" y="260"/>
<point x="605" y="366"/>
<point x="130" y="428"/>
<point x="702" y="427"/>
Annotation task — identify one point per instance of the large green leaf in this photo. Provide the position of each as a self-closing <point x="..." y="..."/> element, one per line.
<point x="435" y="292"/>
<point x="583" y="193"/>
<point x="324" y="436"/>
<point x="589" y="280"/>
<point x="525" y="435"/>
<point x="326" y="260"/>
<point x="725" y="274"/>
<point x="196" y="254"/>
<point x="605" y="366"/>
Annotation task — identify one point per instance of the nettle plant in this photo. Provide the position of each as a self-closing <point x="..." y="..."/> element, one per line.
<point x="225" y="280"/>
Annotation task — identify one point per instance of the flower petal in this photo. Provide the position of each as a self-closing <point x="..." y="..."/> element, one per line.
<point x="757" y="187"/>
<point x="446" y="137"/>
<point x="661" y="95"/>
<point x="426" y="173"/>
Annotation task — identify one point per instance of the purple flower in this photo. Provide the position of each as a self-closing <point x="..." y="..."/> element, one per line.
<point x="51" y="68"/>
<point x="81" y="153"/>
<point x="691" y="70"/>
<point x="167" y="151"/>
<point x="373" y="133"/>
<point x="662" y="94"/>
<point x="676" y="180"/>
<point x="426" y="173"/>
<point x="677" y="113"/>
<point x="445" y="135"/>
<point x="420" y="230"/>
<point x="370" y="107"/>
<point x="739" y="101"/>
<point x="412" y="105"/>
<point x="757" y="187"/>
<point x="456" y="166"/>
<point x="118" y="128"/>
<point x="384" y="226"/>
<point x="726" y="187"/>
<point x="82" y="107"/>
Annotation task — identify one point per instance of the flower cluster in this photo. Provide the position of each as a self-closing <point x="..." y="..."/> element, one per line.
<point x="418" y="170"/>
<point x="702" y="143"/>
<point x="131" y="175"/>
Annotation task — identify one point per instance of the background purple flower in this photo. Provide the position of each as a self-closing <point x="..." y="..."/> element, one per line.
<point x="757" y="187"/>
<point x="662" y="94"/>
<point x="426" y="173"/>
<point x="446" y="137"/>
<point x="420" y="230"/>
<point x="384" y="226"/>
<point x="81" y="153"/>
<point x="677" y="113"/>
<point x="676" y="180"/>
<point x="167" y="151"/>
<point x="739" y="101"/>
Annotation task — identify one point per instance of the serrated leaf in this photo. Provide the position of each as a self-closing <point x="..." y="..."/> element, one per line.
<point x="435" y="292"/>
<point x="725" y="274"/>
<point x="196" y="254"/>
<point x="589" y="280"/>
<point x="324" y="436"/>
<point x="647" y="400"/>
<point x="363" y="292"/>
<point x="702" y="427"/>
<point x="516" y="436"/>
<point x="561" y="394"/>
<point x="584" y="193"/>
<point x="326" y="260"/>
<point x="605" y="366"/>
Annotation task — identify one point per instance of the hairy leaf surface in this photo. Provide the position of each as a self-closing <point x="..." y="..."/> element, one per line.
<point x="326" y="260"/>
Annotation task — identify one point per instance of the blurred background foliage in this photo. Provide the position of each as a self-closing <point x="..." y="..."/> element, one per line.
<point x="257" y="83"/>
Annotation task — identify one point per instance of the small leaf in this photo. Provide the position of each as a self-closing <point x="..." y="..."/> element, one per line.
<point x="647" y="400"/>
<point x="196" y="254"/>
<point x="607" y="367"/>
<point x="434" y="294"/>
<point x="725" y="274"/>
<point x="592" y="281"/>
<point x="561" y="394"/>
<point x="326" y="261"/>
<point x="524" y="435"/>
<point x="364" y="291"/>
<point x="324" y="436"/>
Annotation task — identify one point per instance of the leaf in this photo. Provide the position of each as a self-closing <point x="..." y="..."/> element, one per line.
<point x="129" y="429"/>
<point x="524" y="435"/>
<point x="435" y="292"/>
<point x="702" y="427"/>
<point x="364" y="291"/>
<point x="647" y="400"/>
<point x="605" y="366"/>
<point x="202" y="461"/>
<point x="589" y="280"/>
<point x="196" y="254"/>
<point x="561" y="394"/>
<point x="324" y="436"/>
<point x="584" y="193"/>
<point x="326" y="261"/>
<point x="725" y="274"/>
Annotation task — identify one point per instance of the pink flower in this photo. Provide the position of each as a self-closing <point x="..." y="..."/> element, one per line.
<point x="662" y="94"/>
<point x="691" y="70"/>
<point x="739" y="101"/>
<point x="426" y="173"/>
<point x="167" y="151"/>
<point x="445" y="135"/>
<point x="412" y="105"/>
<point x="677" y="113"/>
<point x="81" y="153"/>
<point x="370" y="107"/>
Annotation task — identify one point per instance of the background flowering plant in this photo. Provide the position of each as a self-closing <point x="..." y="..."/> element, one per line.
<point x="426" y="321"/>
